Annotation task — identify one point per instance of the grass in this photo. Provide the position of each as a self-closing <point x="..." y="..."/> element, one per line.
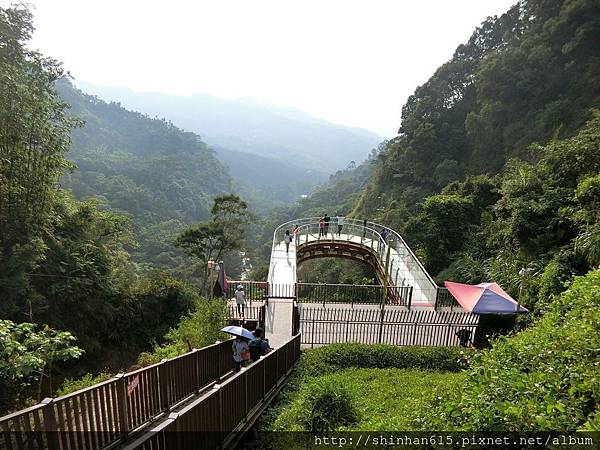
<point x="381" y="399"/>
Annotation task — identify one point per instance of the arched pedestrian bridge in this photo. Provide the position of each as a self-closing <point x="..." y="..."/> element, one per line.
<point x="405" y="283"/>
<point x="391" y="258"/>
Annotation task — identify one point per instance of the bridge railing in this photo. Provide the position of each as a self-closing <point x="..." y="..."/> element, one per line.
<point x="106" y="413"/>
<point x="354" y="294"/>
<point x="319" y="326"/>
<point x="214" y="419"/>
<point x="404" y="268"/>
<point x="253" y="290"/>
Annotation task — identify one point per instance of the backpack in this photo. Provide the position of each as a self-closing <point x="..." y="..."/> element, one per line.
<point x="255" y="349"/>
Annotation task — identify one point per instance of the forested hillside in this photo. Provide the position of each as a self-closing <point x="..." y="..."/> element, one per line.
<point x="523" y="77"/>
<point x="269" y="182"/>
<point x="68" y="286"/>
<point x="148" y="169"/>
<point x="462" y="179"/>
<point x="246" y="125"/>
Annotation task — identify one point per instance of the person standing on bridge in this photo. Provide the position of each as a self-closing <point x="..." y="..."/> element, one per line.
<point x="287" y="239"/>
<point x="240" y="300"/>
<point x="384" y="234"/>
<point x="340" y="223"/>
<point x="326" y="219"/>
<point x="322" y="226"/>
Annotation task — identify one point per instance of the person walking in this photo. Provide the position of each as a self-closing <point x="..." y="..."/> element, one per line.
<point x="287" y="239"/>
<point x="384" y="234"/>
<point x="322" y="226"/>
<point x="241" y="353"/>
<point x="258" y="346"/>
<point x="340" y="223"/>
<point x="326" y="219"/>
<point x="240" y="299"/>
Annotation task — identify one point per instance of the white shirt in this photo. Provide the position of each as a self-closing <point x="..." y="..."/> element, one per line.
<point x="340" y="220"/>
<point x="240" y="298"/>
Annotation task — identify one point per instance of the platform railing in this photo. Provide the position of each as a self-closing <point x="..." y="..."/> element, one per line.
<point x="107" y="412"/>
<point x="216" y="419"/>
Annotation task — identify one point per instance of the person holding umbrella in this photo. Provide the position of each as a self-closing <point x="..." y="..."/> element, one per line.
<point x="241" y="353"/>
<point x="239" y="347"/>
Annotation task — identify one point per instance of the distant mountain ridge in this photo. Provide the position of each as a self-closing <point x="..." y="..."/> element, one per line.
<point x="247" y="125"/>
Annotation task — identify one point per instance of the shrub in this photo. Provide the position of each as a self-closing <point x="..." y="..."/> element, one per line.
<point x="323" y="405"/>
<point x="336" y="357"/>
<point x="72" y="385"/>
<point x="196" y="330"/>
<point x="545" y="378"/>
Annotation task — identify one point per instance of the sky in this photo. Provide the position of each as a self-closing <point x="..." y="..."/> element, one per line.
<point x="350" y="62"/>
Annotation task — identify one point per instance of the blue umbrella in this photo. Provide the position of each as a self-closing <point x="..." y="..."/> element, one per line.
<point x="238" y="331"/>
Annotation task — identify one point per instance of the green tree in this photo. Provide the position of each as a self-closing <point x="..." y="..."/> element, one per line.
<point x="34" y="136"/>
<point x="211" y="241"/>
<point x="27" y="353"/>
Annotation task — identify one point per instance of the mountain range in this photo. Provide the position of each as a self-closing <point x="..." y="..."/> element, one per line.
<point x="249" y="126"/>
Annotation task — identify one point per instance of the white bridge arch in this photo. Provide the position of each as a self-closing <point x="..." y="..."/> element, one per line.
<point x="391" y="257"/>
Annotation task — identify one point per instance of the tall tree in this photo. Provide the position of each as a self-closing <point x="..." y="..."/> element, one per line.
<point x="212" y="240"/>
<point x="34" y="136"/>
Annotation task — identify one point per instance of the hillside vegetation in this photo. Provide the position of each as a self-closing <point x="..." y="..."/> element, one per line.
<point x="496" y="165"/>
<point x="148" y="169"/>
<point x="246" y="125"/>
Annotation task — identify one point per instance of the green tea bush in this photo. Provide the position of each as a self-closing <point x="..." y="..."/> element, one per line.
<point x="323" y="405"/>
<point x="336" y="357"/>
<point x="545" y="378"/>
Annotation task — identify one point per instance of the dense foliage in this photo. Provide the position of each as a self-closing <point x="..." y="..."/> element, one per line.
<point x="27" y="353"/>
<point x="199" y="328"/>
<point x="162" y="177"/>
<point x="335" y="357"/>
<point x="545" y="378"/>
<point x="64" y="263"/>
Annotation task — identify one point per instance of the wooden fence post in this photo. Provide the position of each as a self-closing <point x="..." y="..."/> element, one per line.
<point x="264" y="378"/>
<point x="50" y="423"/>
<point x="163" y="385"/>
<point x="221" y="431"/>
<point x="244" y="375"/>
<point x="122" y="405"/>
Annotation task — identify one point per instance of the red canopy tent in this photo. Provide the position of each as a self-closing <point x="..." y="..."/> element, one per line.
<point x="484" y="298"/>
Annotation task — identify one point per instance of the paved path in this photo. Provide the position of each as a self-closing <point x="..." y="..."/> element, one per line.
<point x="278" y="320"/>
<point x="278" y="323"/>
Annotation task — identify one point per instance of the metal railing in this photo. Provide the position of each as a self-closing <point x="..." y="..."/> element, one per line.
<point x="403" y="267"/>
<point x="444" y="299"/>
<point x="215" y="419"/>
<point x="320" y="326"/>
<point x="354" y="294"/>
<point x="255" y="313"/>
<point x="253" y="290"/>
<point x="107" y="412"/>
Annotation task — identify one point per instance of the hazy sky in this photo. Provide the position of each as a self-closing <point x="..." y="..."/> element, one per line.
<point x="350" y="62"/>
